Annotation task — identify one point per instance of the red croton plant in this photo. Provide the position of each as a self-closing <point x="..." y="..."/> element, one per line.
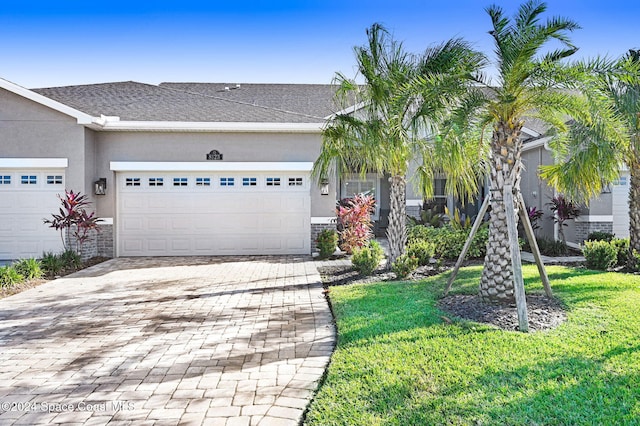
<point x="74" y="220"/>
<point x="354" y="217"/>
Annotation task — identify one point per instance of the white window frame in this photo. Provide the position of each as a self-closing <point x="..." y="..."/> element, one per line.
<point x="371" y="180"/>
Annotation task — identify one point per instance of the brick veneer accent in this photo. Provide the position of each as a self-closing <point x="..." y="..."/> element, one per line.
<point x="583" y="229"/>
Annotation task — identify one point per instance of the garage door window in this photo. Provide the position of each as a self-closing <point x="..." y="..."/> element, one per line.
<point x="227" y="181"/>
<point x="54" y="180"/>
<point x="156" y="181"/>
<point x="28" y="180"/>
<point x="273" y="181"/>
<point x="5" y="180"/>
<point x="132" y="182"/>
<point x="295" y="181"/>
<point x="249" y="181"/>
<point x="203" y="181"/>
<point x="182" y="181"/>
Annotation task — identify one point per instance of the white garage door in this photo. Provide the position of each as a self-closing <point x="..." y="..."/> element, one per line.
<point x="620" y="195"/>
<point x="213" y="213"/>
<point x="27" y="197"/>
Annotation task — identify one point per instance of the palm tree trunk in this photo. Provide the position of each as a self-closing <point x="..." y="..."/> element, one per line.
<point x="397" y="230"/>
<point x="496" y="284"/>
<point x="634" y="212"/>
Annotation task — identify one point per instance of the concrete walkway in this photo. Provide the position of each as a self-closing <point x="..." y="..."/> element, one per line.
<point x="219" y="341"/>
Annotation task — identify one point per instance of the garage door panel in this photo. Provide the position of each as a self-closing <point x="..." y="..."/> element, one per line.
<point x="23" y="208"/>
<point x="211" y="220"/>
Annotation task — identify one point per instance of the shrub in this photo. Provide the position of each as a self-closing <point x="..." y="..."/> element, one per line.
<point x="404" y="266"/>
<point x="563" y="210"/>
<point x="74" y="220"/>
<point x="354" y="220"/>
<point x="9" y="276"/>
<point x="600" y="255"/>
<point x="600" y="236"/>
<point x="327" y="242"/>
<point x="448" y="242"/>
<point x="366" y="259"/>
<point x="622" y="248"/>
<point x="52" y="264"/>
<point x="30" y="269"/>
<point x="71" y="260"/>
<point x="421" y="250"/>
<point x="551" y="247"/>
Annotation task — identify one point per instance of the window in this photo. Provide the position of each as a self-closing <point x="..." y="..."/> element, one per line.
<point x="28" y="180"/>
<point x="249" y="181"/>
<point x="132" y="182"/>
<point x="227" y="181"/>
<point x="621" y="181"/>
<point x="54" y="180"/>
<point x="182" y="181"/>
<point x="203" y="181"/>
<point x="295" y="181"/>
<point x="273" y="181"/>
<point x="156" y="181"/>
<point x="5" y="180"/>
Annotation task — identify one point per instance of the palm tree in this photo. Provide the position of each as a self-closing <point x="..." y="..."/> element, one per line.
<point x="403" y="99"/>
<point x="588" y="160"/>
<point x="532" y="81"/>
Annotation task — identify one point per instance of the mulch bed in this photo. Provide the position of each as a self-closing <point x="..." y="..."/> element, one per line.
<point x="544" y="313"/>
<point x="26" y="285"/>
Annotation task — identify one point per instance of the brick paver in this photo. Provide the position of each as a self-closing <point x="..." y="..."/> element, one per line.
<point x="215" y="340"/>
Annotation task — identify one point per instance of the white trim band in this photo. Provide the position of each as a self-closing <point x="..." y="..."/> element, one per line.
<point x="34" y="163"/>
<point x="594" y="218"/>
<point x="319" y="220"/>
<point x="209" y="166"/>
<point x="195" y="126"/>
<point x="413" y="202"/>
<point x="105" y="221"/>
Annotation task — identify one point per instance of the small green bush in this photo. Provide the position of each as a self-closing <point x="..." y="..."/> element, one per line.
<point x="71" y="260"/>
<point x="404" y="266"/>
<point x="449" y="242"/>
<point x="551" y="247"/>
<point x="30" y="269"/>
<point x="600" y="255"/>
<point x="600" y="236"/>
<point x="422" y="250"/>
<point x="9" y="276"/>
<point x="366" y="259"/>
<point x="327" y="242"/>
<point x="52" y="264"/>
<point x="622" y="248"/>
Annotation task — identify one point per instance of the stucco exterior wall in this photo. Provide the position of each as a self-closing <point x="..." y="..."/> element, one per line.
<point x="31" y="130"/>
<point x="182" y="146"/>
<point x="535" y="191"/>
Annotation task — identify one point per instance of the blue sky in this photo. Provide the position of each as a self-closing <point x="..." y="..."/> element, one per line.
<point x="54" y="43"/>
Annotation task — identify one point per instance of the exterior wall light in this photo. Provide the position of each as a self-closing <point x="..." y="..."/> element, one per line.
<point x="100" y="186"/>
<point x="324" y="186"/>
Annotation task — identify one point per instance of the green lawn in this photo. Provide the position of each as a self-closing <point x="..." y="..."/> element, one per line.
<point x="399" y="363"/>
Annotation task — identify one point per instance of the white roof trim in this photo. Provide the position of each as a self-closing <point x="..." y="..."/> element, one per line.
<point x="34" y="163"/>
<point x="536" y="144"/>
<point x="348" y="110"/>
<point x="530" y="132"/>
<point x="196" y="126"/>
<point x="210" y="166"/>
<point x="80" y="116"/>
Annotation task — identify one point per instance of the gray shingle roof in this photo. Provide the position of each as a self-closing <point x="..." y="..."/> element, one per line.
<point x="198" y="102"/>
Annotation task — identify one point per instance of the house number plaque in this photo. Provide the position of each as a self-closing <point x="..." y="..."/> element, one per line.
<point x="214" y="155"/>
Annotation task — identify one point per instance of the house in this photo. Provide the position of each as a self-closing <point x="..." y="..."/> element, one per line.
<point x="190" y="168"/>
<point x="209" y="169"/>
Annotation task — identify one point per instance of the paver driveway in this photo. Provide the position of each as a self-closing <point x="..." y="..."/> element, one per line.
<point x="229" y="341"/>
